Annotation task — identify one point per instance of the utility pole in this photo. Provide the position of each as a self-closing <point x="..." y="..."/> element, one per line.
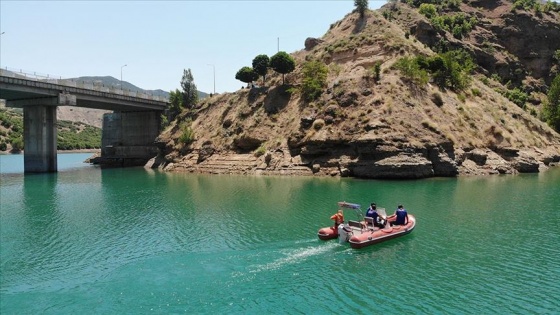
<point x="121" y="76"/>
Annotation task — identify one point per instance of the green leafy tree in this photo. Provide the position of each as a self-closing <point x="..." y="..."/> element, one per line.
<point x="190" y="94"/>
<point x="282" y="63"/>
<point x="176" y="104"/>
<point x="361" y="6"/>
<point x="458" y="65"/>
<point x="314" y="79"/>
<point x="552" y="107"/>
<point x="260" y="65"/>
<point x="246" y="74"/>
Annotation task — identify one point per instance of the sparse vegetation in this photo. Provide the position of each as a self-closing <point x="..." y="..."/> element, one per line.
<point x="517" y="96"/>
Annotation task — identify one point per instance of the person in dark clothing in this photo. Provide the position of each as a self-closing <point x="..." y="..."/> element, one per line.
<point x="372" y="213"/>
<point x="400" y="216"/>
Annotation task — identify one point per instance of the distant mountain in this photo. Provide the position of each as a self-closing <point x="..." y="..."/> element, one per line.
<point x="113" y="82"/>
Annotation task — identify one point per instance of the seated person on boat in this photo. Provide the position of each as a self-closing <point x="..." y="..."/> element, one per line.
<point x="338" y="218"/>
<point x="371" y="212"/>
<point x="400" y="217"/>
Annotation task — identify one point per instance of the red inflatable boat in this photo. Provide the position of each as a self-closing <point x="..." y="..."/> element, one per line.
<point x="360" y="233"/>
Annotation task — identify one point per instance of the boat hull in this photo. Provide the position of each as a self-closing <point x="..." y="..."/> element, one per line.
<point x="370" y="237"/>
<point x="327" y="233"/>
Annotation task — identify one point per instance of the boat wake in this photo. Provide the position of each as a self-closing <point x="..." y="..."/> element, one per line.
<point x="294" y="256"/>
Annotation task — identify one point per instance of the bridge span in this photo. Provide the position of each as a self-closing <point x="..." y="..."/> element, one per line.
<point x="128" y="133"/>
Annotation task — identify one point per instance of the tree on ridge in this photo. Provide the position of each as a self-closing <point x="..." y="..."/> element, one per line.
<point x="190" y="94"/>
<point x="260" y="65"/>
<point x="246" y="74"/>
<point x="362" y="6"/>
<point x="282" y="63"/>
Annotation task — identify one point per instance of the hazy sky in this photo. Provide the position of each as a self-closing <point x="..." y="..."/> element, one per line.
<point x="156" y="40"/>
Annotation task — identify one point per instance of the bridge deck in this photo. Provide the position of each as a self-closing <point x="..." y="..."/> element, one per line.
<point x="19" y="91"/>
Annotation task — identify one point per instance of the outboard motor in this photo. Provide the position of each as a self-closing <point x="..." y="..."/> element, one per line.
<point x="343" y="234"/>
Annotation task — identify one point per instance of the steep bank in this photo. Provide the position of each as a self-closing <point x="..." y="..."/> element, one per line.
<point x="364" y="127"/>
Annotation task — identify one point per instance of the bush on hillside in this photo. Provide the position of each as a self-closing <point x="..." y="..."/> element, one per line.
<point x="187" y="134"/>
<point x="314" y="79"/>
<point x="551" y="109"/>
<point x="411" y="71"/>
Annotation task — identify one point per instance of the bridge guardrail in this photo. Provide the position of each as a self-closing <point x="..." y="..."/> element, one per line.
<point x="78" y="84"/>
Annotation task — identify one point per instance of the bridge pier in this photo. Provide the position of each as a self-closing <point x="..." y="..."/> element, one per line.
<point x="39" y="136"/>
<point x="129" y="138"/>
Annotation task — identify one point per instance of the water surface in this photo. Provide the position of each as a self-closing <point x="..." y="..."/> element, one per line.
<point x="134" y="241"/>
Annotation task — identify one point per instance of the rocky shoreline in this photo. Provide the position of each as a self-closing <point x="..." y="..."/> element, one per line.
<point x="356" y="160"/>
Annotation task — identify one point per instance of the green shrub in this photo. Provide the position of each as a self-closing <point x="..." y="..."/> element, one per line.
<point x="187" y="135"/>
<point x="427" y="9"/>
<point x="260" y="151"/>
<point x="476" y="92"/>
<point x="314" y="79"/>
<point x="411" y="70"/>
<point x="377" y="71"/>
<point x="449" y="70"/>
<point x="517" y="96"/>
<point x="17" y="144"/>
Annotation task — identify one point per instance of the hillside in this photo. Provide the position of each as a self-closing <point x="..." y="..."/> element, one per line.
<point x="390" y="126"/>
<point x="71" y="135"/>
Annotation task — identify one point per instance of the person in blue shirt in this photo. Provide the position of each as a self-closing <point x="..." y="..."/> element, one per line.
<point x="401" y="216"/>
<point x="372" y="213"/>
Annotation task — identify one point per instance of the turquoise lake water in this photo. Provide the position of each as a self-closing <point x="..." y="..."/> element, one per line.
<point x="136" y="241"/>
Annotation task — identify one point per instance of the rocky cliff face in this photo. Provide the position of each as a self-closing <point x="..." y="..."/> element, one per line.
<point x="386" y="128"/>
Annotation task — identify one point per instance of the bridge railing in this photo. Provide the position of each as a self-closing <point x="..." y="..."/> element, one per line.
<point x="7" y="72"/>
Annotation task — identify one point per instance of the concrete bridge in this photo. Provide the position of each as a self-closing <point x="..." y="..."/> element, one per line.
<point x="128" y="133"/>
